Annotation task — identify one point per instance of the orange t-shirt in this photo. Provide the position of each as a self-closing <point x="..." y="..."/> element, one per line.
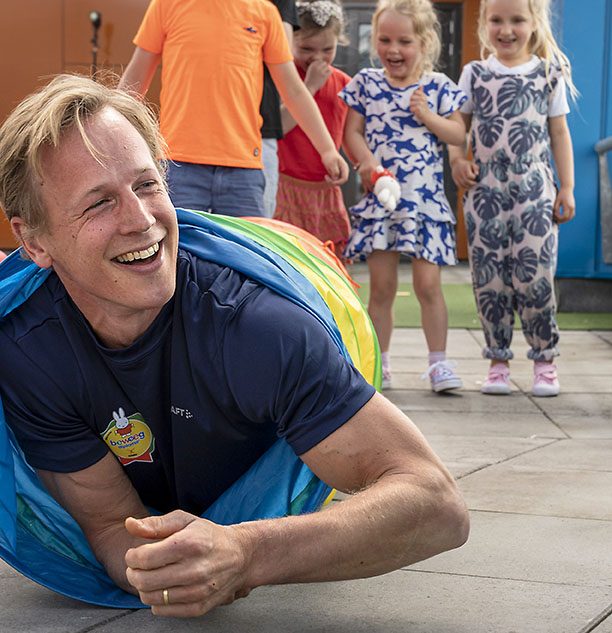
<point x="212" y="75"/>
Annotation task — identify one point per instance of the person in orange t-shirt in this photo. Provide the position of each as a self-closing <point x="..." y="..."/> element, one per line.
<point x="212" y="58"/>
<point x="305" y="196"/>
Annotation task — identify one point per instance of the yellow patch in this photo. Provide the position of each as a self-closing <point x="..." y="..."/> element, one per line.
<point x="130" y="439"/>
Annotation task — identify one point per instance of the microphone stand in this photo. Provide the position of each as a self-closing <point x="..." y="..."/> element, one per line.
<point x="95" y="17"/>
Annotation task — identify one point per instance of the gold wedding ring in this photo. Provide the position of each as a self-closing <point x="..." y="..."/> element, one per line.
<point x="166" y="597"/>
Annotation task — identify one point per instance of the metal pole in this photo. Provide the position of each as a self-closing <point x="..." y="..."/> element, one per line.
<point x="95" y="17"/>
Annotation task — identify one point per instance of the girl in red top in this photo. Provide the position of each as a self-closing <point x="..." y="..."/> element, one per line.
<point x="305" y="198"/>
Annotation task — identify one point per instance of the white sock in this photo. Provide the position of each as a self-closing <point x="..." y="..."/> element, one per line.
<point x="436" y="357"/>
<point x="386" y="360"/>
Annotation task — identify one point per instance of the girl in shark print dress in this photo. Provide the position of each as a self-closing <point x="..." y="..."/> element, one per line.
<point x="422" y="223"/>
<point x="399" y="118"/>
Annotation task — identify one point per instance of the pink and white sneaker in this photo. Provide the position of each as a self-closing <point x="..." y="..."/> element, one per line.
<point x="545" y="380"/>
<point x="498" y="381"/>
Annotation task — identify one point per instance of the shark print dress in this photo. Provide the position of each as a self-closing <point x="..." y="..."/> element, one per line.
<point x="512" y="239"/>
<point x="422" y="225"/>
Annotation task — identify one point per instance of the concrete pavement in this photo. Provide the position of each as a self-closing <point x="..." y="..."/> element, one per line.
<point x="537" y="476"/>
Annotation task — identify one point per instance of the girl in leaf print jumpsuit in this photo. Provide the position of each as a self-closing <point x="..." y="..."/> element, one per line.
<point x="516" y="107"/>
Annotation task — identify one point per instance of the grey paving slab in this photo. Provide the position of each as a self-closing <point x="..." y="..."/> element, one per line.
<point x="419" y="381"/>
<point x="606" y="625"/>
<point x="604" y="335"/>
<point x="464" y="455"/>
<point x="587" y="349"/>
<point x="401" y="602"/>
<point x="461" y="402"/>
<point x="502" y="488"/>
<point x="418" y="364"/>
<point x="578" y="336"/>
<point x="583" y="366"/>
<point x="580" y="426"/>
<point x="573" y="382"/>
<point x="29" y="608"/>
<point x="483" y="424"/>
<point x="534" y="548"/>
<point x="410" y="343"/>
<point x="578" y="404"/>
<point x="569" y="454"/>
<point x="6" y="571"/>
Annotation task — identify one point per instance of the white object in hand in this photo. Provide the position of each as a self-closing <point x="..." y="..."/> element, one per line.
<point x="386" y="188"/>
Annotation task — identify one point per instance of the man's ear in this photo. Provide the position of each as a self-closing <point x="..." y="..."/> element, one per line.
<point x="31" y="243"/>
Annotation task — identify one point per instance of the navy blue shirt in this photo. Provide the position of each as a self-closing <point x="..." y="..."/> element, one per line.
<point x="226" y="368"/>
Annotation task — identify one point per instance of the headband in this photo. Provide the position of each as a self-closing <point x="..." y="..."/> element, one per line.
<point x="320" y="10"/>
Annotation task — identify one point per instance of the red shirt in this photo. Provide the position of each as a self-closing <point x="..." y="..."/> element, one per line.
<point x="297" y="156"/>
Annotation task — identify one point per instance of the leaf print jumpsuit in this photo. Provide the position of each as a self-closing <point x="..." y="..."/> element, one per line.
<point x="512" y="238"/>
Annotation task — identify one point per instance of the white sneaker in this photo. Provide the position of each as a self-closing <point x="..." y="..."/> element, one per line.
<point x="386" y="378"/>
<point x="498" y="381"/>
<point x="442" y="377"/>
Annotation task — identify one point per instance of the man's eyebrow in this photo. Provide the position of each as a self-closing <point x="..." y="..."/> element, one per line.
<point x="96" y="189"/>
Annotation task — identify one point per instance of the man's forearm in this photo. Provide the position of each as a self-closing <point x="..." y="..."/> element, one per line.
<point x="110" y="550"/>
<point x="391" y="524"/>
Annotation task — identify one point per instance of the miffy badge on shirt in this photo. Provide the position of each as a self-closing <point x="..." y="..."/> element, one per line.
<point x="130" y="439"/>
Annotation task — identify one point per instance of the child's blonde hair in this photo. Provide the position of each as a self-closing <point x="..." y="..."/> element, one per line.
<point x="317" y="15"/>
<point x="424" y="21"/>
<point x="542" y="42"/>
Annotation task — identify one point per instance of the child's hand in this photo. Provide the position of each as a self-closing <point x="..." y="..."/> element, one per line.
<point x="386" y="188"/>
<point x="366" y="171"/>
<point x="336" y="167"/>
<point x="464" y="172"/>
<point x="564" y="208"/>
<point x="419" y="106"/>
<point x="317" y="74"/>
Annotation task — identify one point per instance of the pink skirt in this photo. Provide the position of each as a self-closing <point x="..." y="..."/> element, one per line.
<point x="316" y="207"/>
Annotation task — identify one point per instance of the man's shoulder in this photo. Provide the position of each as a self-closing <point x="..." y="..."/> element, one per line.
<point x="37" y="314"/>
<point x="230" y="295"/>
<point x="223" y="285"/>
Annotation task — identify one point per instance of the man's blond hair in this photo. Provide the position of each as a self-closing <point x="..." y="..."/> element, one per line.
<point x="39" y="122"/>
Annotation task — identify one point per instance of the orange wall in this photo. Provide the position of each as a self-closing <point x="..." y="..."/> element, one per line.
<point x="40" y="38"/>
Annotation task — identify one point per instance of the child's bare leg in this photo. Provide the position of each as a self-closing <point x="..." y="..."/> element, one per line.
<point x="427" y="283"/>
<point x="383" y="266"/>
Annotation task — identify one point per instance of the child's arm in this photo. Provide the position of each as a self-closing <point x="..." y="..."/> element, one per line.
<point x="561" y="144"/>
<point x="464" y="170"/>
<point x="450" y="129"/>
<point x="357" y="149"/>
<point x="139" y="72"/>
<point x="316" y="75"/>
<point x="303" y="108"/>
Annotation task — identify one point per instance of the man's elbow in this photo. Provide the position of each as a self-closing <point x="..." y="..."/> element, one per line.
<point x="451" y="517"/>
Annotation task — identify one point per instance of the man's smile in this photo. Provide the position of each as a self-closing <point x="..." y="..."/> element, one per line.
<point x="130" y="256"/>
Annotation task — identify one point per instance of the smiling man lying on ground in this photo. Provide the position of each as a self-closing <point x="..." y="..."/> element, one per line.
<point x="132" y="328"/>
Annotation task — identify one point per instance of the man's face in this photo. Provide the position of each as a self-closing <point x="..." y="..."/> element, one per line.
<point x="112" y="232"/>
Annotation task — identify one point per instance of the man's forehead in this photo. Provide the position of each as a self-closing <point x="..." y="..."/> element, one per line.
<point x="103" y="135"/>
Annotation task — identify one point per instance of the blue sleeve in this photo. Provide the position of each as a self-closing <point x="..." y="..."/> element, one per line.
<point x="42" y="415"/>
<point x="450" y="97"/>
<point x="282" y="366"/>
<point x="354" y="93"/>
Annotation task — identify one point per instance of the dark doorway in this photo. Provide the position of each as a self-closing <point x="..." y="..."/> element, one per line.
<point x="357" y="55"/>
